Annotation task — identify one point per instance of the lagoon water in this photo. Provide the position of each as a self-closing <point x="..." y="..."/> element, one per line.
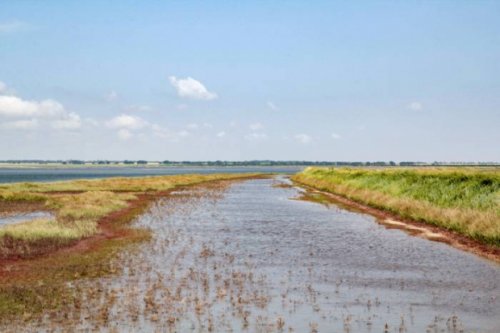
<point x="38" y="174"/>
<point x="250" y="257"/>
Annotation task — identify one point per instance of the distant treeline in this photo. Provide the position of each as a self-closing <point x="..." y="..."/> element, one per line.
<point x="249" y="163"/>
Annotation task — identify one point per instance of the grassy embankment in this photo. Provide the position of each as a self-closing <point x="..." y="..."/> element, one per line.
<point x="94" y="212"/>
<point x="464" y="200"/>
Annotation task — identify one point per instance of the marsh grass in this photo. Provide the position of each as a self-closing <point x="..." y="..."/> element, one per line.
<point x="465" y="200"/>
<point x="78" y="207"/>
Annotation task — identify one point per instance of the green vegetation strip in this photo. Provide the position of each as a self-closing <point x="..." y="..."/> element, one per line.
<point x="465" y="200"/>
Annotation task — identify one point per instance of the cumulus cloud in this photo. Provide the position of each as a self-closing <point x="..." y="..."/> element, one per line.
<point x="125" y="121"/>
<point x="28" y="114"/>
<point x="221" y="134"/>
<point x="415" y="106"/>
<point x="303" y="138"/>
<point x="191" y="88"/>
<point x="12" y="106"/>
<point x="13" y="26"/>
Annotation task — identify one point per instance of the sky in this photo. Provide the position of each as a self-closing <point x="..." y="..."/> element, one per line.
<point x="244" y="80"/>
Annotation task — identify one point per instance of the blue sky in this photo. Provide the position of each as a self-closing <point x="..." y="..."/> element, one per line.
<point x="207" y="80"/>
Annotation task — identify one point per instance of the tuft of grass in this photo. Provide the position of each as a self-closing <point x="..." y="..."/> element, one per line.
<point x="466" y="200"/>
<point x="21" y="196"/>
<point x="88" y="205"/>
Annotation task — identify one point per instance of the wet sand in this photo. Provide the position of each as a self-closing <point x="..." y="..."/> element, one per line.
<point x="247" y="257"/>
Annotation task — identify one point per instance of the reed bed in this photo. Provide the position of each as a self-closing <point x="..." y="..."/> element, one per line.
<point x="465" y="200"/>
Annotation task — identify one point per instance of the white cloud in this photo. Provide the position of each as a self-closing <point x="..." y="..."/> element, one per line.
<point x="125" y="121"/>
<point x="111" y="96"/>
<point x="13" y="26"/>
<point x="69" y="121"/>
<point x="124" y="134"/>
<point x="20" y="124"/>
<point x="39" y="113"/>
<point x="191" y="88"/>
<point x="221" y="134"/>
<point x="272" y="106"/>
<point x="12" y="106"/>
<point x="256" y="126"/>
<point x="415" y="106"/>
<point x="256" y="136"/>
<point x="303" y="138"/>
<point x="336" y="136"/>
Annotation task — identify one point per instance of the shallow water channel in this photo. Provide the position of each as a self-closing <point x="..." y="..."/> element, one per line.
<point x="251" y="258"/>
<point x="23" y="217"/>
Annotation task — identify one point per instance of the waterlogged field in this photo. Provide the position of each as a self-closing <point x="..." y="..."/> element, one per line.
<point x="73" y="210"/>
<point x="464" y="200"/>
<point x="249" y="256"/>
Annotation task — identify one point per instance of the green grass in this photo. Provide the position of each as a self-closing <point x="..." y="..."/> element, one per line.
<point x="466" y="200"/>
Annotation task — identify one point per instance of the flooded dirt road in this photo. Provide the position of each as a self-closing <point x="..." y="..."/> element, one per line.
<point x="248" y="257"/>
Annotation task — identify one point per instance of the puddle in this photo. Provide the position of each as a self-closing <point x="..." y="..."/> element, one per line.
<point x="251" y="259"/>
<point x="23" y="217"/>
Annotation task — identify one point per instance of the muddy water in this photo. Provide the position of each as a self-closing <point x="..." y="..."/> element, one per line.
<point x="251" y="258"/>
